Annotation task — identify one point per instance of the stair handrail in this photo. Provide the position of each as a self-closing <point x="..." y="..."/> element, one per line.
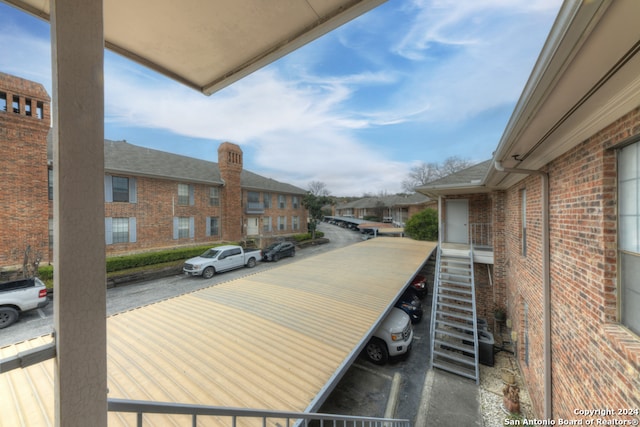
<point x="475" y="315"/>
<point x="434" y="306"/>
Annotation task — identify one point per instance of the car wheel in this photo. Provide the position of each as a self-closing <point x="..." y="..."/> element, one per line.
<point x="208" y="273"/>
<point x="251" y="263"/>
<point x="376" y="351"/>
<point x="8" y="316"/>
<point x="293" y="253"/>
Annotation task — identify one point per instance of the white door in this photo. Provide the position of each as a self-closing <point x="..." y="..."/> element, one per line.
<point x="252" y="226"/>
<point x="457" y="221"/>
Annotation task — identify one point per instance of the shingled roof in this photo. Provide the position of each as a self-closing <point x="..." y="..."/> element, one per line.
<point x="125" y="158"/>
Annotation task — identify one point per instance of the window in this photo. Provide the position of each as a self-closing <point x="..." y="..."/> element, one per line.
<point x="294" y="202"/>
<point x="16" y="104"/>
<point x="629" y="235"/>
<point x="213" y="226"/>
<point x="253" y="198"/>
<point x="214" y="196"/>
<point x="282" y="223"/>
<point x="266" y="224"/>
<point x="27" y="107"/>
<point x="39" y="110"/>
<point x="50" y="184"/>
<point x="185" y="193"/>
<point x="120" y="229"/>
<point x="50" y="233"/>
<point x="120" y="189"/>
<point x="183" y="228"/>
<point x="523" y="219"/>
<point x="266" y="197"/>
<point x="295" y="223"/>
<point x="282" y="201"/>
<point x="3" y="101"/>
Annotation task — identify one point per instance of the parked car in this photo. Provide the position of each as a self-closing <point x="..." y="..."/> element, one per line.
<point x="419" y="285"/>
<point x="278" y="250"/>
<point x="221" y="258"/>
<point x="392" y="338"/>
<point x="410" y="304"/>
<point x="19" y="296"/>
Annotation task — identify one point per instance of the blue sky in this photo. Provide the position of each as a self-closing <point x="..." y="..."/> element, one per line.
<point x="409" y="82"/>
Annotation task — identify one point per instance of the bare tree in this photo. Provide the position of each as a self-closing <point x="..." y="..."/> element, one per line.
<point x="318" y="189"/>
<point x="453" y="164"/>
<point x="420" y="175"/>
<point x="427" y="172"/>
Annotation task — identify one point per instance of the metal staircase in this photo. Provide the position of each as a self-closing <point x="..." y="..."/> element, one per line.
<point x="454" y="333"/>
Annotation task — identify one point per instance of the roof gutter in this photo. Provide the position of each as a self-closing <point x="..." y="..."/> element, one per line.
<point x="546" y="282"/>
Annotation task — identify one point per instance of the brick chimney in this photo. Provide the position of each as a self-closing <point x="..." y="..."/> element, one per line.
<point x="230" y="165"/>
<point x="25" y="120"/>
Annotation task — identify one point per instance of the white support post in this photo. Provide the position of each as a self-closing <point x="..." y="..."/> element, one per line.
<point x="79" y="266"/>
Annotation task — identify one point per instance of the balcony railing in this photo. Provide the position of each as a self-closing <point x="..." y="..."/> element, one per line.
<point x="262" y="418"/>
<point x="481" y="235"/>
<point x="254" y="208"/>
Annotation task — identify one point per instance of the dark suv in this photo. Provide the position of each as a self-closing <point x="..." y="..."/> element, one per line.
<point x="278" y="250"/>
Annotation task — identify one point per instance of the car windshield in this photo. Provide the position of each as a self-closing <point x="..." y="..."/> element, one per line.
<point x="273" y="246"/>
<point x="210" y="253"/>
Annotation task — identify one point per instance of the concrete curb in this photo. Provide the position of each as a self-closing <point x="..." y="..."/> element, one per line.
<point x="423" y="409"/>
<point x="392" y="403"/>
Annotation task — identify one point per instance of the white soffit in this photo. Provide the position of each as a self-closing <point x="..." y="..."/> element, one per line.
<point x="208" y="45"/>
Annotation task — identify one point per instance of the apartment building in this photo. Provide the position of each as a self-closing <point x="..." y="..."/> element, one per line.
<point x="153" y="199"/>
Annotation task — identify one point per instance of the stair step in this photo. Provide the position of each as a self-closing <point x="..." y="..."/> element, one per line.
<point x="455" y="282"/>
<point x="447" y="277"/>
<point x="455" y="369"/>
<point x="453" y="268"/>
<point x="465" y="300"/>
<point x="460" y="290"/>
<point x="453" y="324"/>
<point x="460" y="316"/>
<point x="455" y="356"/>
<point x="454" y="334"/>
<point x="456" y="345"/>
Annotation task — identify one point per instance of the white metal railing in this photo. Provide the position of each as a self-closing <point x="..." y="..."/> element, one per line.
<point x="481" y="234"/>
<point x="233" y="414"/>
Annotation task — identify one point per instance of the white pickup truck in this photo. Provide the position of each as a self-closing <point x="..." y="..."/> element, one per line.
<point x="19" y="296"/>
<point x="391" y="338"/>
<point x="219" y="259"/>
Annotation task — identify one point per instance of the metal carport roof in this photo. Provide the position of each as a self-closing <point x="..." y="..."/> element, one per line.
<point x="276" y="339"/>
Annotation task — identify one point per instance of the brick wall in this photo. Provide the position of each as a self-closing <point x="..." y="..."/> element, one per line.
<point x="230" y="164"/>
<point x="24" y="194"/>
<point x="595" y="362"/>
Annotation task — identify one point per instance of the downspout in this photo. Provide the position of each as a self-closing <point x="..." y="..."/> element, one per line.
<point x="546" y="281"/>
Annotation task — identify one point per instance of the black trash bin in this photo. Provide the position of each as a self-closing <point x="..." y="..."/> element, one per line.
<point x="485" y="344"/>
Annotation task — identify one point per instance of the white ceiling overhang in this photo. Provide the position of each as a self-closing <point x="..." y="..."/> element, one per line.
<point x="208" y="45"/>
<point x="587" y="76"/>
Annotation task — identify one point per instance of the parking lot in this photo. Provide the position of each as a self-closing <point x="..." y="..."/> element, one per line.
<point x="364" y="390"/>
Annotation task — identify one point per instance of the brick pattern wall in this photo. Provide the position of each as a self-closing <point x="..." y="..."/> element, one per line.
<point x="230" y="164"/>
<point x="24" y="194"/>
<point x="156" y="206"/>
<point x="596" y="362"/>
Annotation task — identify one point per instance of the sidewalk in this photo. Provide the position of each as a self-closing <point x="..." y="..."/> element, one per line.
<point x="449" y="400"/>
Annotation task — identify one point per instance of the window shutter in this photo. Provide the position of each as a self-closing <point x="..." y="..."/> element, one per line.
<point x="175" y="228"/>
<point x="132" y="230"/>
<point x="208" y="226"/>
<point x="133" y="190"/>
<point x="191" y="195"/>
<point x="191" y="227"/>
<point x="108" y="189"/>
<point x="108" y="231"/>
